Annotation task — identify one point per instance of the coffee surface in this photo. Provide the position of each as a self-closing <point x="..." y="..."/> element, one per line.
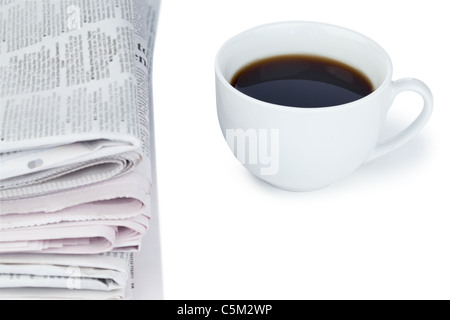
<point x="302" y="81"/>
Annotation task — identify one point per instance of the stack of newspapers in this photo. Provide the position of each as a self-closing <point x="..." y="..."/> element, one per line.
<point x="75" y="145"/>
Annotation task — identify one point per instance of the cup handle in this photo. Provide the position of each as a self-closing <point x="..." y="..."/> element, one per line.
<point x="397" y="141"/>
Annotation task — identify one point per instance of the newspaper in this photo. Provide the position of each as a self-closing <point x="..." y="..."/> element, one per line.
<point x="100" y="277"/>
<point x="109" y="216"/>
<point x="74" y="92"/>
<point x="75" y="139"/>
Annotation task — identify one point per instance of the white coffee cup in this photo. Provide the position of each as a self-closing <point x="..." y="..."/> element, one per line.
<point x="305" y="149"/>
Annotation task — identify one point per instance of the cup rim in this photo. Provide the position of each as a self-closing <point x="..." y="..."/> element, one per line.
<point x="374" y="94"/>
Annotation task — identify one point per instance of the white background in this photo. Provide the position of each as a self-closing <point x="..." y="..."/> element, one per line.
<point x="382" y="233"/>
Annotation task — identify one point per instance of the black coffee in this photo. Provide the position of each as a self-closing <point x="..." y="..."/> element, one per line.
<point x="303" y="81"/>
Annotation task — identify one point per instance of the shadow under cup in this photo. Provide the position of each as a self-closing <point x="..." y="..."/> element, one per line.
<point x="302" y="149"/>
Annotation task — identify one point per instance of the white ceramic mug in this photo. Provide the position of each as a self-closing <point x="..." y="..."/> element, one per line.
<point x="304" y="149"/>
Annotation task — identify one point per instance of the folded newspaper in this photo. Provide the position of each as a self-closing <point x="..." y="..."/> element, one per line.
<point x="96" y="277"/>
<point x="75" y="135"/>
<point x="108" y="216"/>
<point x="75" y="92"/>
